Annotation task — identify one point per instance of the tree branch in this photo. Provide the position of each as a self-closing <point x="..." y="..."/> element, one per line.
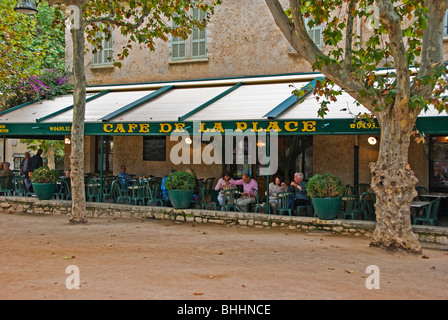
<point x="432" y="45"/>
<point x="349" y="35"/>
<point x="392" y="22"/>
<point x="296" y="34"/>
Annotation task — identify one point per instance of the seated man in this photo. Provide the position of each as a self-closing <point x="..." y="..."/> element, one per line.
<point x="6" y="176"/>
<point x="124" y="178"/>
<point x="248" y="194"/>
<point x="298" y="188"/>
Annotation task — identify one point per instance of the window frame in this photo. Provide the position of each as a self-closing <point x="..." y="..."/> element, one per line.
<point x="190" y="42"/>
<point x="106" y="51"/>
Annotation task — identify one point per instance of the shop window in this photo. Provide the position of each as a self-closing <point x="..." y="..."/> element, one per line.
<point x="438" y="164"/>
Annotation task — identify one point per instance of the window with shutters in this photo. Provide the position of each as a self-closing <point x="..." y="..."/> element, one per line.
<point x="193" y="48"/>
<point x="315" y="34"/>
<point x="104" y="55"/>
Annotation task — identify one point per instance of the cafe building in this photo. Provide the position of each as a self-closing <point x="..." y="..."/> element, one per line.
<point x="242" y="125"/>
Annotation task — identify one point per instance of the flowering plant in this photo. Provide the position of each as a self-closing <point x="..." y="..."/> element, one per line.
<point x="49" y="84"/>
<point x="44" y="175"/>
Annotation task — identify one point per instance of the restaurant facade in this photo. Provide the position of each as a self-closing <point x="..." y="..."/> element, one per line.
<point x="234" y="78"/>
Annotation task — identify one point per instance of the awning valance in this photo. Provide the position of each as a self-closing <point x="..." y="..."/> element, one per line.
<point x="209" y="106"/>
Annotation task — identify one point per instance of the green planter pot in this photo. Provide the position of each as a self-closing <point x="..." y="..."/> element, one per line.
<point x="44" y="191"/>
<point x="180" y="199"/>
<point x="327" y="208"/>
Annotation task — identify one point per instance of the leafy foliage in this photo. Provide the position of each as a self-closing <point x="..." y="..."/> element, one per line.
<point x="48" y="85"/>
<point x="324" y="186"/>
<point x="44" y="175"/>
<point x="352" y="59"/>
<point x="28" y="47"/>
<point x="180" y="180"/>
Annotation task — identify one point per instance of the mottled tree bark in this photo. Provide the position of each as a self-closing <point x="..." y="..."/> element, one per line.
<point x="78" y="214"/>
<point x="393" y="182"/>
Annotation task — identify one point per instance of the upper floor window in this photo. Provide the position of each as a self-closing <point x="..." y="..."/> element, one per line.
<point x="315" y="33"/>
<point x="195" y="47"/>
<point x="104" y="55"/>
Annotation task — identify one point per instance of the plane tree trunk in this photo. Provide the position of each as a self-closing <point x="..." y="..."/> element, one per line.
<point x="78" y="214"/>
<point x="393" y="183"/>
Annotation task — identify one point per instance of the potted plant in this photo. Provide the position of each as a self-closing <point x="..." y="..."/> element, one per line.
<point x="44" y="182"/>
<point x="180" y="186"/>
<point x="325" y="191"/>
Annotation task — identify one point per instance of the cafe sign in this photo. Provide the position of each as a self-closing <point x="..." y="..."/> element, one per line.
<point x="283" y="127"/>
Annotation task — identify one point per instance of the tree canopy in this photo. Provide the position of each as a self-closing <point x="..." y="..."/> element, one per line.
<point x="29" y="46"/>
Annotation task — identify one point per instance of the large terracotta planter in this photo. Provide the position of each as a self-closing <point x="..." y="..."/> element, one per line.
<point x="327" y="208"/>
<point x="44" y="191"/>
<point x="180" y="199"/>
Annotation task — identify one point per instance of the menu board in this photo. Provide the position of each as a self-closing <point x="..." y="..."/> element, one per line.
<point x="154" y="148"/>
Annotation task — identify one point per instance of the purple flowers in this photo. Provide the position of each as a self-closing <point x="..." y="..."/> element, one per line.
<point x="49" y="84"/>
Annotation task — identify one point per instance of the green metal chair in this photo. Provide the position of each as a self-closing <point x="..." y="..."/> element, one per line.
<point x="351" y="206"/>
<point x="421" y="192"/>
<point x="363" y="187"/>
<point x="153" y="188"/>
<point x="283" y="202"/>
<point x="112" y="191"/>
<point x="64" y="192"/>
<point x="121" y="192"/>
<point x="138" y="192"/>
<point x="308" y="208"/>
<point x="93" y="186"/>
<point x="203" y="200"/>
<point x="230" y="199"/>
<point x="363" y="206"/>
<point x="259" y="205"/>
<point x="429" y="213"/>
<point x="19" y="186"/>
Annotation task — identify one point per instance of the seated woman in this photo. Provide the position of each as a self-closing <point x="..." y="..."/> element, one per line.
<point x="224" y="184"/>
<point x="278" y="185"/>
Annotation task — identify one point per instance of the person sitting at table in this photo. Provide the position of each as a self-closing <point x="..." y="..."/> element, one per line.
<point x="196" y="186"/>
<point x="297" y="186"/>
<point x="28" y="183"/>
<point x="248" y="194"/>
<point x="278" y="185"/>
<point x="7" y="175"/>
<point x="124" y="178"/>
<point x="223" y="184"/>
<point x="165" y="196"/>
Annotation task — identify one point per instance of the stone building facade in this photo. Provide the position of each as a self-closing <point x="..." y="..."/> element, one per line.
<point x="241" y="40"/>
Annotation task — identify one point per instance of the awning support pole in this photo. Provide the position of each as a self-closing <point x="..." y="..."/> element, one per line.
<point x="101" y="168"/>
<point x="268" y="154"/>
<point x="356" y="165"/>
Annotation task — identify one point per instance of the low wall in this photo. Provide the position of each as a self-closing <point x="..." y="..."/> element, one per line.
<point x="430" y="237"/>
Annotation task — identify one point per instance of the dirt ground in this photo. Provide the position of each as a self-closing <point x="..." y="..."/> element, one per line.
<point x="154" y="259"/>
